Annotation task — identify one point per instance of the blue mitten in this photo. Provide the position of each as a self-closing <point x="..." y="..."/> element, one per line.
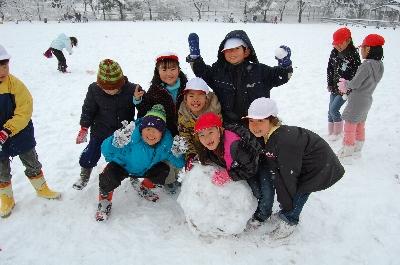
<point x="282" y="54"/>
<point x="194" y="48"/>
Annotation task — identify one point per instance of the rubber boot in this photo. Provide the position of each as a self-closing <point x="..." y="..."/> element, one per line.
<point x="84" y="178"/>
<point x="6" y="199"/>
<point x="104" y="206"/>
<point x="42" y="190"/>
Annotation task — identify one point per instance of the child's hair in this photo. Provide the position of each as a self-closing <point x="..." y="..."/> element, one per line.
<point x="375" y="53"/>
<point x="74" y="41"/>
<point x="275" y="121"/>
<point x="166" y="63"/>
<point x="4" y="62"/>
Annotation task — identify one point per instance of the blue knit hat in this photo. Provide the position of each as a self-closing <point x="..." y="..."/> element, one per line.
<point x="155" y="118"/>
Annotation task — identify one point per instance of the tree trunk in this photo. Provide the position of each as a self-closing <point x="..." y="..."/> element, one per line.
<point x="264" y="12"/>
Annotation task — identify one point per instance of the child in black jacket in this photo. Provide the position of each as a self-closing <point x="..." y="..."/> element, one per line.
<point x="237" y="78"/>
<point x="295" y="161"/>
<point x="108" y="102"/>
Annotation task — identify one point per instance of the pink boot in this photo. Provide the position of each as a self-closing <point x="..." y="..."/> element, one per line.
<point x="337" y="131"/>
<point x="330" y="128"/>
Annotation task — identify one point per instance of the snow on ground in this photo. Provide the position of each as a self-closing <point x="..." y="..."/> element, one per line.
<point x="355" y="222"/>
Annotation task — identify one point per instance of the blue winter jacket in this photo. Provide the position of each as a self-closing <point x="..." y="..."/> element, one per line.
<point x="138" y="157"/>
<point x="62" y="42"/>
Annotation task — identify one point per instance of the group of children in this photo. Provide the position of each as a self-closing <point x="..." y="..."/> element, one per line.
<point x="235" y="127"/>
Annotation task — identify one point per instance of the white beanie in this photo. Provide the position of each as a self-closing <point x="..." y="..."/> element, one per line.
<point x="262" y="108"/>
<point x="4" y="54"/>
<point x="197" y="84"/>
<point x="233" y="43"/>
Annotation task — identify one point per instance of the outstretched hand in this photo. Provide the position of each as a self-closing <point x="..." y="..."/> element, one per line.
<point x="123" y="135"/>
<point x="282" y="54"/>
<point x="179" y="146"/>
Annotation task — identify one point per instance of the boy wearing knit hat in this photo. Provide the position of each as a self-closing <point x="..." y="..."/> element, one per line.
<point x="147" y="155"/>
<point x="108" y="102"/>
<point x="17" y="137"/>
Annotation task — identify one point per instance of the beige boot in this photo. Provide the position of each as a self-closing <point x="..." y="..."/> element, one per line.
<point x="42" y="190"/>
<point x="6" y="199"/>
<point x="346" y="151"/>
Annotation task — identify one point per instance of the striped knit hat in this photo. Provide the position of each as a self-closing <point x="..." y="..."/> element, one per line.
<point x="155" y="118"/>
<point x="110" y="75"/>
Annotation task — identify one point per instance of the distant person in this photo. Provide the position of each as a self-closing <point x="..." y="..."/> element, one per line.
<point x="56" y="47"/>
<point x="360" y="89"/>
<point x="17" y="137"/>
<point x="343" y="63"/>
<point x="108" y="102"/>
<point x="237" y="78"/>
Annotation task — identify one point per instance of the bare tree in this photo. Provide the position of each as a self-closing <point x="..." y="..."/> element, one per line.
<point x="264" y="6"/>
<point x="121" y="9"/>
<point x="198" y="5"/>
<point x="282" y="8"/>
<point x="301" y="4"/>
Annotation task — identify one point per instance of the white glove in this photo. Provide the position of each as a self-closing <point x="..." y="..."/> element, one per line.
<point x="123" y="135"/>
<point x="179" y="146"/>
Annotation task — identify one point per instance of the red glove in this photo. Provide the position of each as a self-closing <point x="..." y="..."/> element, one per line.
<point x="189" y="162"/>
<point x="82" y="135"/>
<point x="3" y="136"/>
<point x="220" y="177"/>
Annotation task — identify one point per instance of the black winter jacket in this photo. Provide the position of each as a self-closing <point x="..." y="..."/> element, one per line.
<point x="342" y="65"/>
<point x="244" y="152"/>
<point x="236" y="86"/>
<point x="157" y="94"/>
<point x="104" y="113"/>
<point x="301" y="162"/>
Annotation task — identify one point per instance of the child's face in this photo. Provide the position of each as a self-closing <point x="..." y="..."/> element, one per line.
<point x="364" y="51"/>
<point x="195" y="101"/>
<point x="4" y="71"/>
<point x="151" y="135"/>
<point x="236" y="55"/>
<point x="342" y="46"/>
<point x="259" y="127"/>
<point x="210" y="138"/>
<point x="169" y="74"/>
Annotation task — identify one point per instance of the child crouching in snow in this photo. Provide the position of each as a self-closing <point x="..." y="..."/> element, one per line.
<point x="294" y="161"/>
<point x="361" y="88"/>
<point x="232" y="147"/>
<point x="197" y="100"/>
<point x="143" y="155"/>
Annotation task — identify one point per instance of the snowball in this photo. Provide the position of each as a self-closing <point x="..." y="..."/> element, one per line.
<point x="212" y="210"/>
<point x="280" y="53"/>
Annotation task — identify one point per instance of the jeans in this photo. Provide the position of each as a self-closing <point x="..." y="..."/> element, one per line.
<point x="335" y="103"/>
<point x="267" y="193"/>
<point x="292" y="216"/>
<point x="91" y="154"/>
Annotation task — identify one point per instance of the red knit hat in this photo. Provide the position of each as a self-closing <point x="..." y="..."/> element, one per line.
<point x="167" y="55"/>
<point x="341" y="35"/>
<point x="373" y="40"/>
<point x="207" y="120"/>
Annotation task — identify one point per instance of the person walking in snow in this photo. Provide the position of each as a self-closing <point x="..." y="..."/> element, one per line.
<point x="237" y="78"/>
<point x="343" y="63"/>
<point x="17" y="137"/>
<point x="166" y="88"/>
<point x="139" y="152"/>
<point x="196" y="101"/>
<point x="360" y="89"/>
<point x="108" y="102"/>
<point x="231" y="147"/>
<point x="294" y="162"/>
<point x="56" y="47"/>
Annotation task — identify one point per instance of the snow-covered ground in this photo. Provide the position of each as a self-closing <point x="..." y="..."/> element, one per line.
<point x="355" y="222"/>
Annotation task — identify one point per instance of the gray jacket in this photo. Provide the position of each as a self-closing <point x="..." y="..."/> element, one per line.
<point x="362" y="86"/>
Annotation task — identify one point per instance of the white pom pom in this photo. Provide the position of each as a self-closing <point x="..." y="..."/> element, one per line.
<point x="280" y="53"/>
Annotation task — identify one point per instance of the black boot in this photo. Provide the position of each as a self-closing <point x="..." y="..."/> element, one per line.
<point x="84" y="178"/>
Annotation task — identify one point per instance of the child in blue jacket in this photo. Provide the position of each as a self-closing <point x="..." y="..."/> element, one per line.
<point x="141" y="152"/>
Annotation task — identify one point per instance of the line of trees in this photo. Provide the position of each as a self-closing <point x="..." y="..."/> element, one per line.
<point x="223" y="10"/>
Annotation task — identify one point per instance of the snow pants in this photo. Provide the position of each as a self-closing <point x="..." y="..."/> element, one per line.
<point x="30" y="161"/>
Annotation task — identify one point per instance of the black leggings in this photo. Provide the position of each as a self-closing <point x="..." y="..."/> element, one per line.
<point x="113" y="174"/>
<point x="62" y="62"/>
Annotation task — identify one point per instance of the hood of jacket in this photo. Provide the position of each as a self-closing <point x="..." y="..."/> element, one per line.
<point x="240" y="34"/>
<point x="376" y="68"/>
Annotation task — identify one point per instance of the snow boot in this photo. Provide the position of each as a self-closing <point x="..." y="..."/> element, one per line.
<point x="283" y="229"/>
<point x="104" y="207"/>
<point x="135" y="183"/>
<point x="83" y="180"/>
<point x="146" y="191"/>
<point x="346" y="151"/>
<point x="42" y="190"/>
<point x="172" y="188"/>
<point x="330" y="128"/>
<point x="6" y="199"/>
<point x="358" y="148"/>
<point x="337" y="131"/>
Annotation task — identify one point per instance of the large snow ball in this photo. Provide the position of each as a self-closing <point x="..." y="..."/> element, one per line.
<point x="212" y="210"/>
